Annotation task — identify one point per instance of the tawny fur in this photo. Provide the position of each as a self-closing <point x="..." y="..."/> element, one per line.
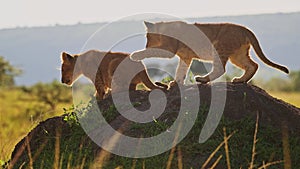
<point x="231" y="42"/>
<point x="104" y="65"/>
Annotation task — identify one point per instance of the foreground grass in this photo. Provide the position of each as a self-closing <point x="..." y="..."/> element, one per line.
<point x="235" y="144"/>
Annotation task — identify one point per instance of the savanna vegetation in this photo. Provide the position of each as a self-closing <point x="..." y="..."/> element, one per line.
<point x="286" y="89"/>
<point x="23" y="107"/>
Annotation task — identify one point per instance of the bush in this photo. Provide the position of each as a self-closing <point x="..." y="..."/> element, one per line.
<point x="7" y="73"/>
<point x="50" y="93"/>
<point x="295" y="78"/>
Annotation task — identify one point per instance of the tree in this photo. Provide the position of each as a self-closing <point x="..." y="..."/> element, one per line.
<point x="7" y="73"/>
<point x="51" y="93"/>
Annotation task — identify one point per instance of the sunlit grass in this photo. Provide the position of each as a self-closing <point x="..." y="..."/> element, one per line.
<point x="289" y="97"/>
<point x="17" y="119"/>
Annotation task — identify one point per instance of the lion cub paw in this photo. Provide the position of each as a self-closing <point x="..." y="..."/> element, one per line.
<point x="201" y="79"/>
<point x="238" y="80"/>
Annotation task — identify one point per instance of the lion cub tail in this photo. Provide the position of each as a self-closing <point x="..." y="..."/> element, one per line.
<point x="255" y="44"/>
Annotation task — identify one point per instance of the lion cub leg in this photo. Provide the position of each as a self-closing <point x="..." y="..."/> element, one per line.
<point x="218" y="70"/>
<point x="181" y="71"/>
<point x="135" y="81"/>
<point x="100" y="88"/>
<point x="143" y="77"/>
<point x="248" y="65"/>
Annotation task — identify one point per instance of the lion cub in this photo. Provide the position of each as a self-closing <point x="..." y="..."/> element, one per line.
<point x="88" y="64"/>
<point x="190" y="41"/>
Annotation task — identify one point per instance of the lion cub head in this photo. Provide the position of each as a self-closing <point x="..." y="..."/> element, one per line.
<point x="160" y="36"/>
<point x="68" y="72"/>
<point x="159" y="42"/>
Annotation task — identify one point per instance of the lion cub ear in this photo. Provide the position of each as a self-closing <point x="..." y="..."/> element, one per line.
<point x="149" y="25"/>
<point x="66" y="57"/>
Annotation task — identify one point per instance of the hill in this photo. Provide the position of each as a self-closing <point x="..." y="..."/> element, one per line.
<point x="36" y="50"/>
<point x="61" y="141"/>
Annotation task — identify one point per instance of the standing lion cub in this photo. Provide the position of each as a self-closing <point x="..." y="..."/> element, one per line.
<point x="100" y="67"/>
<point x="217" y="43"/>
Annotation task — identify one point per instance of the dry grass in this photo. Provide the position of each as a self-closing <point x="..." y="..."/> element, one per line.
<point x="226" y="149"/>
<point x="286" y="146"/>
<point x="216" y="150"/>
<point x="227" y="153"/>
<point x="254" y="145"/>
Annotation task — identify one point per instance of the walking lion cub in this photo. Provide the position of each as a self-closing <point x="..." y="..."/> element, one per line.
<point x="226" y="42"/>
<point x="100" y="67"/>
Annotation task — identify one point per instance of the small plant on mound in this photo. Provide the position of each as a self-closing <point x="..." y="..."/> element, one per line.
<point x="70" y="116"/>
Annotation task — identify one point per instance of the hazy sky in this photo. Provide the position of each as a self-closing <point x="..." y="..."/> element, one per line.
<point x="49" y="12"/>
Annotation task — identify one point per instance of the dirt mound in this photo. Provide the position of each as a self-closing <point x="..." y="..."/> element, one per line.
<point x="242" y="101"/>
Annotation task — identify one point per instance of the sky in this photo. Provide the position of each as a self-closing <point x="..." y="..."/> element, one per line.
<point x="30" y="13"/>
